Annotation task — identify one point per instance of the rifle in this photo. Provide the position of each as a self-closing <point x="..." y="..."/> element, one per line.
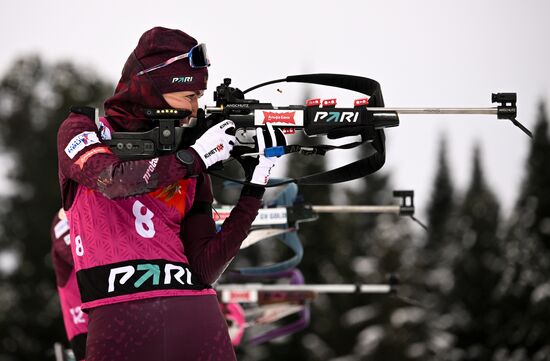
<point x="283" y="216"/>
<point x="367" y="120"/>
<point x="253" y="305"/>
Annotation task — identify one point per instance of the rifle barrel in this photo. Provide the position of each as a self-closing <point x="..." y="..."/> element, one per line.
<point x="480" y="111"/>
<point x="357" y="209"/>
<point x="421" y="110"/>
<point x="320" y="288"/>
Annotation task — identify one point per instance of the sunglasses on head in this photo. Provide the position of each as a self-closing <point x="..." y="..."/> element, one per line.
<point x="198" y="58"/>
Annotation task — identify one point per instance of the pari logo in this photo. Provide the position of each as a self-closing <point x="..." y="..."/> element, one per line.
<point x="279" y="117"/>
<point x="153" y="274"/>
<point x="336" y="117"/>
<point x="182" y="79"/>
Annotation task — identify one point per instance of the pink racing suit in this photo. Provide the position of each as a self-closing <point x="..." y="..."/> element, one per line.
<point x="74" y="319"/>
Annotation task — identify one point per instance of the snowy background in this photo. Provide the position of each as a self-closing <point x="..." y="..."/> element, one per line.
<point x="424" y="53"/>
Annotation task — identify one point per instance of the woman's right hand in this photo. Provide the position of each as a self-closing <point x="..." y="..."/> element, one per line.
<point x="216" y="143"/>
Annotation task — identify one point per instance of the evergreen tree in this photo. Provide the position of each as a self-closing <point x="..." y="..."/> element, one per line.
<point x="35" y="98"/>
<point x="538" y="176"/>
<point x="432" y="279"/>
<point x="477" y="267"/>
<point x="524" y="322"/>
<point x="441" y="205"/>
<point x="384" y="326"/>
<point x="439" y="247"/>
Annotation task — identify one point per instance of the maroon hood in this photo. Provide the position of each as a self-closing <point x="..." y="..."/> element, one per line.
<point x="133" y="93"/>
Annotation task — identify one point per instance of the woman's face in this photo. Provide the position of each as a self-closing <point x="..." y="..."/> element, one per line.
<point x="188" y="100"/>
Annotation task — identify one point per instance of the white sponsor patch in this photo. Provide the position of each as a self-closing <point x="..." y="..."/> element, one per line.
<point x="266" y="216"/>
<point x="270" y="216"/>
<point x="61" y="228"/>
<point x="80" y="142"/>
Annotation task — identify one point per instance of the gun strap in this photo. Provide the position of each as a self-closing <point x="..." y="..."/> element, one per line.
<point x="358" y="169"/>
<point x="319" y="149"/>
<point x="375" y="157"/>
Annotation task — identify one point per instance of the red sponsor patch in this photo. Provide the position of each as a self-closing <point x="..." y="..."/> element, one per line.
<point x="275" y="117"/>
<point x="361" y="102"/>
<point x="329" y="103"/>
<point x="84" y="157"/>
<point x="313" y="102"/>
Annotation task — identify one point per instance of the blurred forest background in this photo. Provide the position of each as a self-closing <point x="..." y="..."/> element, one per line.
<point x="475" y="287"/>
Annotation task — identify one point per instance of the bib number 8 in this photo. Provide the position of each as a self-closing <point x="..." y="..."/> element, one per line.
<point x="144" y="222"/>
<point x="79" y="248"/>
